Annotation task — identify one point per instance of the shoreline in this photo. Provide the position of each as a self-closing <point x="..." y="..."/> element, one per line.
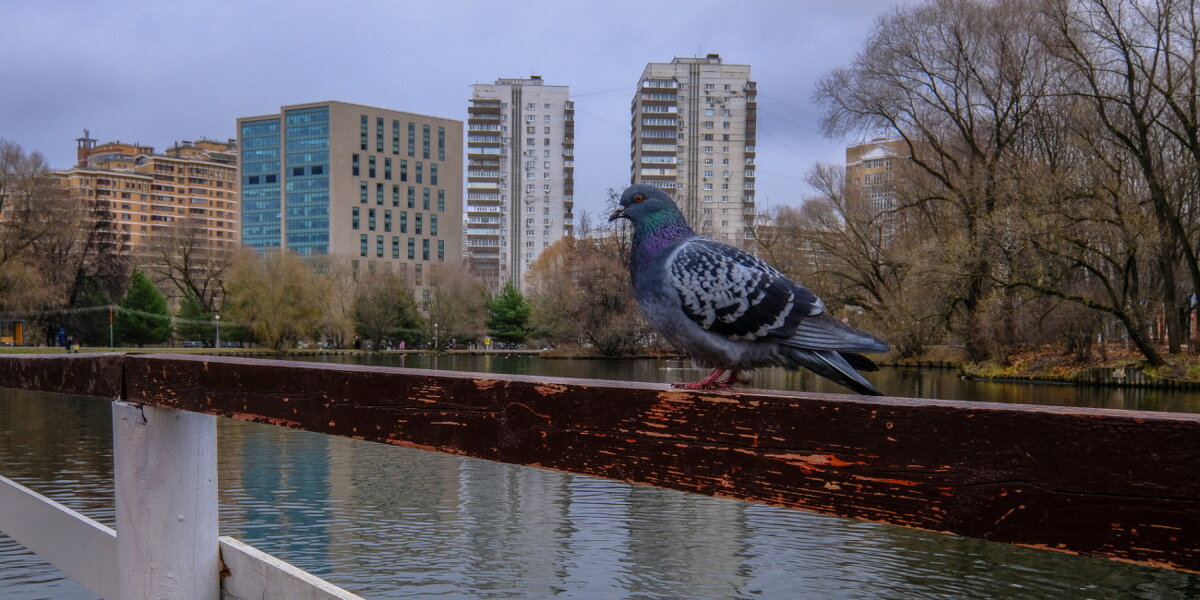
<point x="1030" y="368"/>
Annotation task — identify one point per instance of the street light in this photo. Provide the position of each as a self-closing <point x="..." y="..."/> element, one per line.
<point x="217" y="344"/>
<point x="435" y="338"/>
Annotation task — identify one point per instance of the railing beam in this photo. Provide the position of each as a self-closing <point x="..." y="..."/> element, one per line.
<point x="165" y="471"/>
<point x="78" y="546"/>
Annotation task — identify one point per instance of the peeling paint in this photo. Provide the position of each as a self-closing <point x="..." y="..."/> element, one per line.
<point x="547" y="389"/>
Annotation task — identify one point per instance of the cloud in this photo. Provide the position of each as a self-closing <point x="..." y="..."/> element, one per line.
<point x="157" y="72"/>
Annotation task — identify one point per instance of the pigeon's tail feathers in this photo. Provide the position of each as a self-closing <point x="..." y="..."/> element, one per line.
<point x="860" y="362"/>
<point x="834" y="366"/>
<point x="822" y="332"/>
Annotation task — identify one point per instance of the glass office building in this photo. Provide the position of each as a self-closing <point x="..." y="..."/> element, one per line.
<point x="378" y="187"/>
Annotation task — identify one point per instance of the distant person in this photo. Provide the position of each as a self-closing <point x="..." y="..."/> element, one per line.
<point x="62" y="338"/>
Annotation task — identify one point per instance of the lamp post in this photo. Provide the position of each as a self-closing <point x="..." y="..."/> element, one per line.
<point x="217" y="319"/>
<point x="435" y="338"/>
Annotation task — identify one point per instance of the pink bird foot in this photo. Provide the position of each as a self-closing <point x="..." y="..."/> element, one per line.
<point x="708" y="383"/>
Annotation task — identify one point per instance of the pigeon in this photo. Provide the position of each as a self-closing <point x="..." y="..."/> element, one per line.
<point x="729" y="310"/>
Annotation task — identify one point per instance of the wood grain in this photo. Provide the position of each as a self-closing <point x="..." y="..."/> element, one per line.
<point x="1106" y="483"/>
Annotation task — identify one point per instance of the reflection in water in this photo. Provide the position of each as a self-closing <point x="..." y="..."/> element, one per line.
<point x="391" y="522"/>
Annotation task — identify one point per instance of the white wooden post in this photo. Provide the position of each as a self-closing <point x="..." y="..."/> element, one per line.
<point x="165" y="470"/>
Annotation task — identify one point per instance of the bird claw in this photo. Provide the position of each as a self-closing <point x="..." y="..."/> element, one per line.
<point x="700" y="385"/>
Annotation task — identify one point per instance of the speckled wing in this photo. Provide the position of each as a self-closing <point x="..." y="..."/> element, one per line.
<point x="733" y="293"/>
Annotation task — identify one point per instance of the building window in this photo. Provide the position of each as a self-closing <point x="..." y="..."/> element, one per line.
<point x="441" y="201"/>
<point x="417" y="223"/>
<point x="379" y="246"/>
<point x="412" y="139"/>
<point x="354" y="217"/>
<point x="353" y="165"/>
<point x="433" y="174"/>
<point x="412" y="248"/>
<point x="412" y="197"/>
<point x="403" y="222"/>
<point x="362" y="134"/>
<point x="379" y="134"/>
<point x="387" y="221"/>
<point x="395" y="139"/>
<point x="362" y="192"/>
<point x="425" y="249"/>
<point x="387" y="168"/>
<point x="425" y="198"/>
<point x="379" y="194"/>
<point x="362" y="245"/>
<point x="395" y="247"/>
<point x="432" y="224"/>
<point x="396" y="195"/>
<point x="371" y="219"/>
<point x="442" y="250"/>
<point x="371" y="166"/>
<point x="419" y="271"/>
<point x="403" y="170"/>
<point x="420" y="172"/>
<point x="424" y="141"/>
<point x="441" y="143"/>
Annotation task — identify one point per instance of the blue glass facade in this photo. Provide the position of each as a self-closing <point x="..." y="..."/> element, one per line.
<point x="308" y="180"/>
<point x="261" y="181"/>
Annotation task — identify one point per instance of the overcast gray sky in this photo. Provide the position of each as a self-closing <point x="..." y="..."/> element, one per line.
<point x="155" y="72"/>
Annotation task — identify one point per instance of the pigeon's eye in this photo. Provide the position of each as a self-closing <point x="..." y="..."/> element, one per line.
<point x="638" y="198"/>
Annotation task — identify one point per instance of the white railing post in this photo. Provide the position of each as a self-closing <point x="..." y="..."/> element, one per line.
<point x="165" y="471"/>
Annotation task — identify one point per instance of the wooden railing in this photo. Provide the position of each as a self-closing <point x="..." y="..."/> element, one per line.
<point x="1105" y="483"/>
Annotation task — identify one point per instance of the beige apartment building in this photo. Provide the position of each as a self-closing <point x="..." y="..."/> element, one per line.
<point x="869" y="172"/>
<point x="380" y="187"/>
<point x="694" y="130"/>
<point x="520" y="176"/>
<point x="190" y="189"/>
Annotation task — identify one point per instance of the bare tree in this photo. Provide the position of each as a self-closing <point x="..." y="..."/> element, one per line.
<point x="1134" y="64"/>
<point x="279" y="298"/>
<point x="956" y="81"/>
<point x="191" y="261"/>
<point x="456" y="302"/>
<point x="384" y="307"/>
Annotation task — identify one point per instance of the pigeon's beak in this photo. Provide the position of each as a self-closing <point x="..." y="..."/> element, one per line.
<point x="617" y="214"/>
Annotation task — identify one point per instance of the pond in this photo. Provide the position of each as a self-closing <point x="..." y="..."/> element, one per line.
<point x="389" y="522"/>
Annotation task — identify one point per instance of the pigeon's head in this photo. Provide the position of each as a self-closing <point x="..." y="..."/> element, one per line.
<point x="641" y="203"/>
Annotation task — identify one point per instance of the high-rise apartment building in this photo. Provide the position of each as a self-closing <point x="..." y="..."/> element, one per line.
<point x="190" y="189"/>
<point x="694" y="128"/>
<point x="380" y="187"/>
<point x="520" y="176"/>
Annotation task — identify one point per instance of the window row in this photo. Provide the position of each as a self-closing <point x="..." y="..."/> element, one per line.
<point x="364" y="243"/>
<point x="418" y="221"/>
<point x="372" y="169"/>
<point x="364" y="196"/>
<point x="364" y="137"/>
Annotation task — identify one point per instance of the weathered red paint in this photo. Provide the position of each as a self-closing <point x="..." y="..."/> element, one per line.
<point x="1067" y="479"/>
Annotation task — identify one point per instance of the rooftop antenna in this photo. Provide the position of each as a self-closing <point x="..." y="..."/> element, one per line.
<point x="83" y="147"/>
